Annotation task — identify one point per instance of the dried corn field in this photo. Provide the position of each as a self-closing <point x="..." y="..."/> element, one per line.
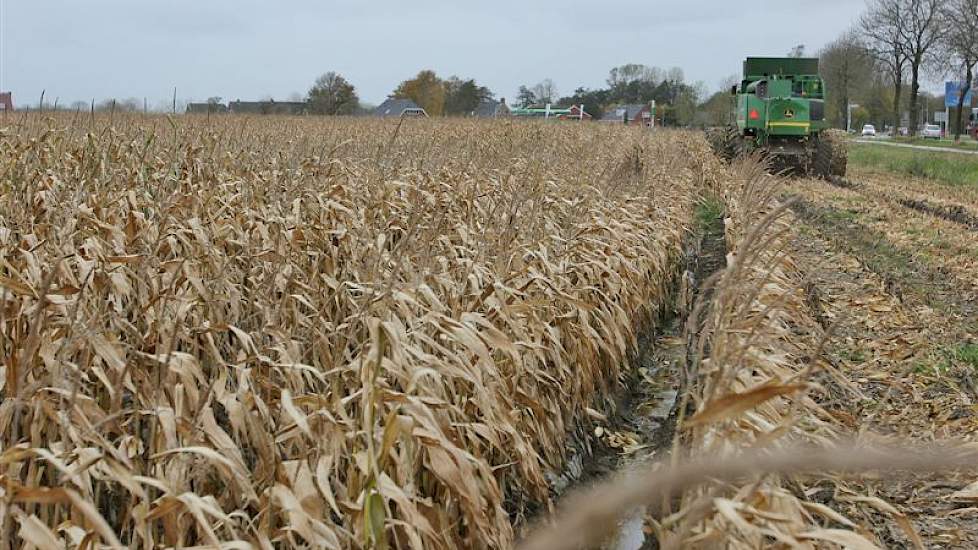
<point x="837" y="325"/>
<point x="298" y="332"/>
<point x="338" y="333"/>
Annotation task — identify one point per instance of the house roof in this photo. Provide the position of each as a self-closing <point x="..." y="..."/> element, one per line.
<point x="491" y="108"/>
<point x="574" y="112"/>
<point x="486" y="108"/>
<point x="631" y="111"/>
<point x="394" y="106"/>
<point x="206" y="108"/>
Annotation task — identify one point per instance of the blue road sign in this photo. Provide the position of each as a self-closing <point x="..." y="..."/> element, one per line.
<point x="952" y="93"/>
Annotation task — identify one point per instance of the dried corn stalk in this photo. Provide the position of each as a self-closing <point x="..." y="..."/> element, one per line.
<point x="754" y="388"/>
<point x="337" y="333"/>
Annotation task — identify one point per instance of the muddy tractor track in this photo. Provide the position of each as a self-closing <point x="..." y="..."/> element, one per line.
<point x="894" y="286"/>
<point x="648" y="409"/>
<point x="898" y="268"/>
<point x="951" y="212"/>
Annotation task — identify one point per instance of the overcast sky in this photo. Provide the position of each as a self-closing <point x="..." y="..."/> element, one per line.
<point x="247" y="49"/>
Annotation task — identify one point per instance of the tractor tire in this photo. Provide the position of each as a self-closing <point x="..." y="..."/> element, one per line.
<point x="831" y="155"/>
<point x="821" y="166"/>
<point x="839" y="152"/>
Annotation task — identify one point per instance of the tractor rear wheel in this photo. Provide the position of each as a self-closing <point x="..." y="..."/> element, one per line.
<point x="840" y="152"/>
<point x="822" y="162"/>
<point x="831" y="155"/>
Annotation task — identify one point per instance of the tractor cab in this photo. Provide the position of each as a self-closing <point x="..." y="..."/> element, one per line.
<point x="780" y="110"/>
<point x="780" y="98"/>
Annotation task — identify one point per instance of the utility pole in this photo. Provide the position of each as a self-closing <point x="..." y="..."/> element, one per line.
<point x="947" y="111"/>
<point x="849" y="109"/>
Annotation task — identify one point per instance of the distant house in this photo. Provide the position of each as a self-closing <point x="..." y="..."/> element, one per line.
<point x="270" y="107"/>
<point x="490" y="108"/>
<point x="398" y="107"/>
<point x="6" y="101"/>
<point x="576" y="112"/>
<point x="635" y="114"/>
<point x="206" y="108"/>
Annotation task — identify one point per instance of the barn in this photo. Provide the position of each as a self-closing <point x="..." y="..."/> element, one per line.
<point x="575" y="112"/>
<point x="206" y="108"/>
<point x="490" y="108"/>
<point x="635" y="114"/>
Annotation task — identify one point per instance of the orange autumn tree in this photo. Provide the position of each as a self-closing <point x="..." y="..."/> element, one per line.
<point x="425" y="89"/>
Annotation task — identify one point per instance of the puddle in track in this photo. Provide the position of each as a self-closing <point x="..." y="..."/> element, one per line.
<point x="631" y="533"/>
<point x="661" y="383"/>
<point x="644" y="428"/>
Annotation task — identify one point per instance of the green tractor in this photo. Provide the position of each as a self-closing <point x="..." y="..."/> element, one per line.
<point x="780" y="111"/>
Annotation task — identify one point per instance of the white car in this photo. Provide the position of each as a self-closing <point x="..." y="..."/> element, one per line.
<point x="869" y="130"/>
<point x="931" y="131"/>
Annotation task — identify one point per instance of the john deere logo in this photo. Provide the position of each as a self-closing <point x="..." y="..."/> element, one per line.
<point x="788" y="113"/>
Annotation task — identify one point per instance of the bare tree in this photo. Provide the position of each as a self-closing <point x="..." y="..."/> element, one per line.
<point x="922" y="31"/>
<point x="881" y="28"/>
<point x="675" y="75"/>
<point x="545" y="91"/>
<point x="620" y="77"/>
<point x="962" y="48"/>
<point x="847" y="69"/>
<point x="332" y="94"/>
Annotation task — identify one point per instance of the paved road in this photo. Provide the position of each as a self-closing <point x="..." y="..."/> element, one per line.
<point x="918" y="147"/>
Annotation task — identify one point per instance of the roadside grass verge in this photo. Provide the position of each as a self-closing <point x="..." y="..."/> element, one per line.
<point x="966" y="142"/>
<point x="952" y="169"/>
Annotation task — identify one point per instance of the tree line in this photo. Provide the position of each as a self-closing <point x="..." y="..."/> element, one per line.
<point x="332" y="94"/>
<point x="881" y="62"/>
<point x="676" y="100"/>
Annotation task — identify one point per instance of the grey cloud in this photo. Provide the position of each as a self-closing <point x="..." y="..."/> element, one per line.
<point x="250" y="48"/>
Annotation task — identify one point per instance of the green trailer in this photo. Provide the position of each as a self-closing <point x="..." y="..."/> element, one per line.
<point x="780" y="111"/>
